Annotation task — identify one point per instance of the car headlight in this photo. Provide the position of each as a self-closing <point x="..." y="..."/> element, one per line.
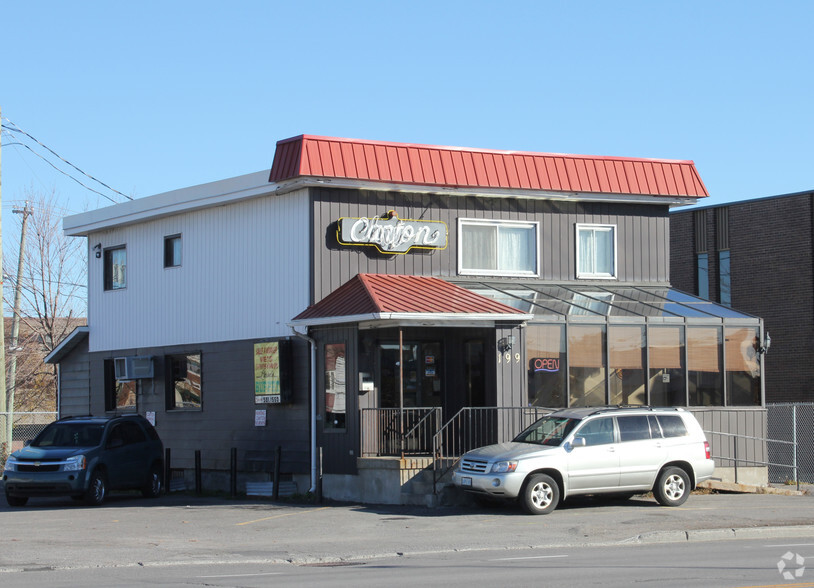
<point x="75" y="463"/>
<point x="11" y="465"/>
<point x="504" y="467"/>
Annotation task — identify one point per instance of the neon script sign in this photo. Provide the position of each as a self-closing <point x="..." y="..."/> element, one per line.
<point x="390" y="234"/>
<point x="545" y="364"/>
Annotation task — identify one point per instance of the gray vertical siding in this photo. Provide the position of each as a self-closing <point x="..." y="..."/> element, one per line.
<point x="642" y="235"/>
<point x="743" y="432"/>
<point x="512" y="378"/>
<point x="74" y="382"/>
<point x="226" y="420"/>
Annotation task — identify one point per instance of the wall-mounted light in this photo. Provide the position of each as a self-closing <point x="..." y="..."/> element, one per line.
<point x="767" y="342"/>
<point x="98" y="249"/>
<point x="505" y="343"/>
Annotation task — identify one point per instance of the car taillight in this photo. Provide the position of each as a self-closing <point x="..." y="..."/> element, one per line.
<point x="706" y="450"/>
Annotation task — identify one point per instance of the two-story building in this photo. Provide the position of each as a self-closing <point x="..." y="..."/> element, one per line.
<point x="361" y="297"/>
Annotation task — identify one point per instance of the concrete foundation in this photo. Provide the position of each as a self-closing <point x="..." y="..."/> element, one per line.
<point x="384" y="480"/>
<point x="754" y="476"/>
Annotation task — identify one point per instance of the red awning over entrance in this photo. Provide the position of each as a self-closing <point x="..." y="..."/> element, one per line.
<point x="404" y="299"/>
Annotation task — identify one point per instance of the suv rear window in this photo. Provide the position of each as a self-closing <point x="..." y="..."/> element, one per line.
<point x="672" y="425"/>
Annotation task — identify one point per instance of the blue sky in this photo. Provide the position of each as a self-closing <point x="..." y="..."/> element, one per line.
<point x="150" y="96"/>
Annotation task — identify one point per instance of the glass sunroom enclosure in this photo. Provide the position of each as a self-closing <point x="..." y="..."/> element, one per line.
<point x="592" y="345"/>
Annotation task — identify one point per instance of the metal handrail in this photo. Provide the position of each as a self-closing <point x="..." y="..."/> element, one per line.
<point x="473" y="427"/>
<point x="381" y="436"/>
<point x="739" y="460"/>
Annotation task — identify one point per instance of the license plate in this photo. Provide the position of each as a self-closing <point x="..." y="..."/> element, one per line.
<point x="466" y="481"/>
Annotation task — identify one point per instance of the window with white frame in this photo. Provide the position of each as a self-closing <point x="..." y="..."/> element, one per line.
<point x="596" y="251"/>
<point x="497" y="248"/>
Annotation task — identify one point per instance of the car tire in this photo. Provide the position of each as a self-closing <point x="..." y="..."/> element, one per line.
<point x="153" y="486"/>
<point x="672" y="487"/>
<point x="97" y="489"/>
<point x="16" y="500"/>
<point x="540" y="494"/>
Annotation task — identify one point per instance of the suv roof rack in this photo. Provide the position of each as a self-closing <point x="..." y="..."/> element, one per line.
<point x="616" y="407"/>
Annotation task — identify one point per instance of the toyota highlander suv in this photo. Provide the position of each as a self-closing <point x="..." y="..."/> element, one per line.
<point x="84" y="457"/>
<point x="579" y="451"/>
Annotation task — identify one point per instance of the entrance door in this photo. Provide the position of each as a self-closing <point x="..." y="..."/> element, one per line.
<point x="423" y="374"/>
<point x="475" y="372"/>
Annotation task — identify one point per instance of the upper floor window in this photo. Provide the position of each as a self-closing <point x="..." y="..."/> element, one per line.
<point x="702" y="269"/>
<point x="498" y="248"/>
<point x="596" y="251"/>
<point x="115" y="268"/>
<point x="172" y="251"/>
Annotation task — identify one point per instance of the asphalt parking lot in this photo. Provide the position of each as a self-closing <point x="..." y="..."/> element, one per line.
<point x="132" y="531"/>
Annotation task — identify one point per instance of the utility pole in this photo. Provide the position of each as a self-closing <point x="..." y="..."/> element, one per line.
<point x="5" y="441"/>
<point x="11" y="387"/>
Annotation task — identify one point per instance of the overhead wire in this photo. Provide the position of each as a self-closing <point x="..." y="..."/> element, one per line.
<point x="13" y="128"/>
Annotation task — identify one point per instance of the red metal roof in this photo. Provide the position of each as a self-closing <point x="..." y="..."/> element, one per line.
<point x="375" y="294"/>
<point x="404" y="163"/>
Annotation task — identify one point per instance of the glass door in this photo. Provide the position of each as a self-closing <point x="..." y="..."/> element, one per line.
<point x="422" y="373"/>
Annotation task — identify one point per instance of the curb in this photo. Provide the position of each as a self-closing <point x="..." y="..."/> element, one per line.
<point x="716" y="534"/>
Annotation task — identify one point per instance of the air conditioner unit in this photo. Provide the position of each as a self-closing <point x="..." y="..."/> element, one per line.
<point x="133" y="368"/>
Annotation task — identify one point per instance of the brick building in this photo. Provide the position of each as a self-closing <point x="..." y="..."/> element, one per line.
<point x="756" y="256"/>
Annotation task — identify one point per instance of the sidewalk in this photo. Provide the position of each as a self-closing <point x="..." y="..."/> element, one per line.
<point x="131" y="531"/>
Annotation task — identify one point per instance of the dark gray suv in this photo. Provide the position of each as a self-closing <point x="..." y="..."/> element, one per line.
<point x="85" y="457"/>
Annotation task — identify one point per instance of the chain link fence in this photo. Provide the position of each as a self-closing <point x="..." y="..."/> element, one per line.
<point x="27" y="425"/>
<point x="790" y="443"/>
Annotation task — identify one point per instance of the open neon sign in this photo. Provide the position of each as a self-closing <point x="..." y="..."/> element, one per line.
<point x="545" y="364"/>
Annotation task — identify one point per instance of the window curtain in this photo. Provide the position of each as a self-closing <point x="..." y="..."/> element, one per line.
<point x="666" y="348"/>
<point x="479" y="247"/>
<point x="587" y="251"/>
<point x="604" y="251"/>
<point x="119" y="267"/>
<point x="517" y="249"/>
<point x="596" y="251"/>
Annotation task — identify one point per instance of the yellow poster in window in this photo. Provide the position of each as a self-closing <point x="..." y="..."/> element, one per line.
<point x="267" y="373"/>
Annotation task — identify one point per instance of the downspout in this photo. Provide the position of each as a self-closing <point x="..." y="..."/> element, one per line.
<point x="314" y="460"/>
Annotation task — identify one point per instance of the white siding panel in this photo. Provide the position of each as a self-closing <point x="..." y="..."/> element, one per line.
<point x="244" y="273"/>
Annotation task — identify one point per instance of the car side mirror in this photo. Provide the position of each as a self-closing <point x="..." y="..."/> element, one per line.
<point x="578" y="442"/>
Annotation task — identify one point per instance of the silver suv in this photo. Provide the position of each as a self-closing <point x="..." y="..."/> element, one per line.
<point x="578" y="451"/>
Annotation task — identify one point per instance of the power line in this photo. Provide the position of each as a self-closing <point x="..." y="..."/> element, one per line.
<point x="15" y="129"/>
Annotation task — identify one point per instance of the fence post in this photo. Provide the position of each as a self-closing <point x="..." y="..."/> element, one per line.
<point x="794" y="446"/>
<point x="233" y="473"/>
<point x="167" y="469"/>
<point x="735" y="456"/>
<point x="275" y="491"/>
<point x="197" y="471"/>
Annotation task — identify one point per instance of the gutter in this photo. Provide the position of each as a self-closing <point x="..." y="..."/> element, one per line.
<point x="313" y="417"/>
